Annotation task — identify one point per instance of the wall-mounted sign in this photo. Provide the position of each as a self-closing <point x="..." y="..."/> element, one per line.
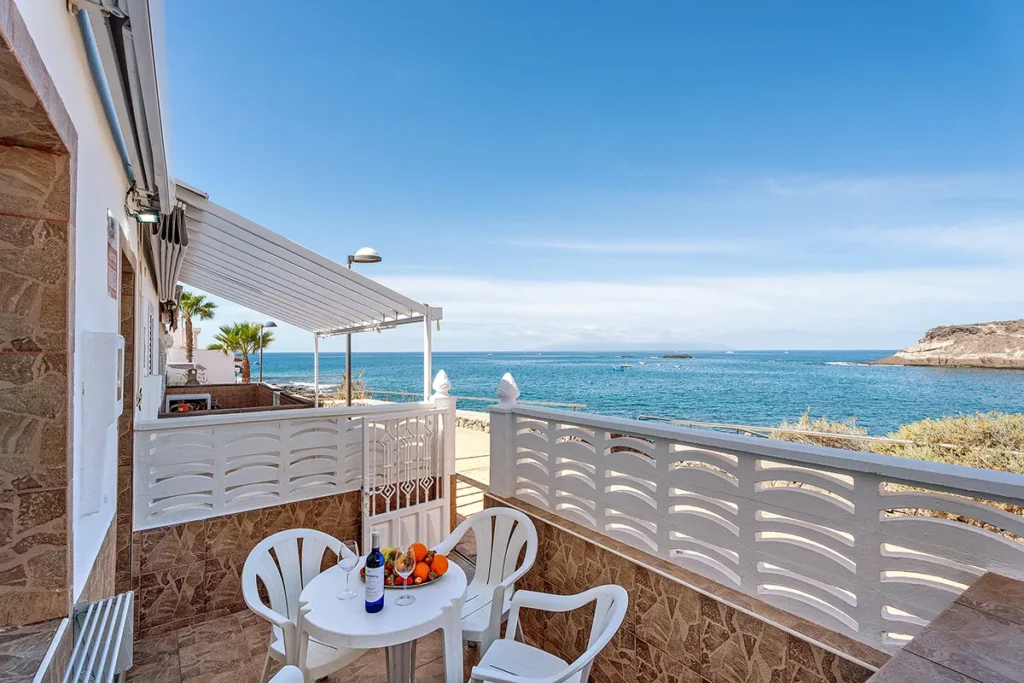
<point x="113" y="256"/>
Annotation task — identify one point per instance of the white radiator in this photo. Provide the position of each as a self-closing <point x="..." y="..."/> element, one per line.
<point x="103" y="640"/>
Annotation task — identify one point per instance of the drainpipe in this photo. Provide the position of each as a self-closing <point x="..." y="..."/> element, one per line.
<point x="100" y="80"/>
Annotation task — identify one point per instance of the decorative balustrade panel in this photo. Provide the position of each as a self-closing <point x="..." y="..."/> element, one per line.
<point x="405" y="488"/>
<point x="871" y="546"/>
<point x="190" y="468"/>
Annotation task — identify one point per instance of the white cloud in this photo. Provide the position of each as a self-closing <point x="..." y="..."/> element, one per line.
<point x="1004" y="239"/>
<point x="930" y="186"/>
<point x="866" y="309"/>
<point x="620" y="247"/>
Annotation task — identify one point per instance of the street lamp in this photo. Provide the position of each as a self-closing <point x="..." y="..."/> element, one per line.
<point x="269" y="323"/>
<point x="363" y="255"/>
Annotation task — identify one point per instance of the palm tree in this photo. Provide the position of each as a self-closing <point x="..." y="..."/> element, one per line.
<point x="241" y="338"/>
<point x="194" y="305"/>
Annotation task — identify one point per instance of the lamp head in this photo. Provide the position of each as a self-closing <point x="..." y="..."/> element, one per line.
<point x="365" y="255"/>
<point x="148" y="216"/>
<point x="269" y="323"/>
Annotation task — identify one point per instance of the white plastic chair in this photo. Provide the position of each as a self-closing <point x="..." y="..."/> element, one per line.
<point x="510" y="661"/>
<point x="284" y="573"/>
<point x="501" y="534"/>
<point x="289" y="674"/>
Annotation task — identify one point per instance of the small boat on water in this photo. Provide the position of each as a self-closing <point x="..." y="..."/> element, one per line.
<point x="643" y="362"/>
<point x="622" y="367"/>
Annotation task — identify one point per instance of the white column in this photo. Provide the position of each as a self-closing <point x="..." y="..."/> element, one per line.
<point x="428" y="374"/>
<point x="316" y="370"/>
<point x="503" y="438"/>
<point x="444" y="401"/>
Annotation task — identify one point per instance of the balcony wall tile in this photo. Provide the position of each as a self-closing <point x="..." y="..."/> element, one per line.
<point x="171" y="546"/>
<point x="668" y="616"/>
<point x="654" y="666"/>
<point x="171" y="595"/>
<point x="188" y="573"/>
<point x="738" y="648"/>
<point x="806" y="663"/>
<point x="676" y="632"/>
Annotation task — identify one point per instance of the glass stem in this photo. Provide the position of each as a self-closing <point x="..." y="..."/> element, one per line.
<point x="348" y="578"/>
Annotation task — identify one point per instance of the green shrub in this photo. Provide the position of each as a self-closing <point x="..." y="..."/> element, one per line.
<point x="988" y="440"/>
<point x="821" y="426"/>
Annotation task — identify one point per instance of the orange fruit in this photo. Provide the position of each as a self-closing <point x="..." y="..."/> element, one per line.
<point x="419" y="550"/>
<point x="422" y="571"/>
<point x="439" y="565"/>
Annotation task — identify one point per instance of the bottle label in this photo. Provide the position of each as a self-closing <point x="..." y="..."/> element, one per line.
<point x="374" y="584"/>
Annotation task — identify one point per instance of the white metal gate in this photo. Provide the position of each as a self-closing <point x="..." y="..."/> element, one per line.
<point x="405" y="477"/>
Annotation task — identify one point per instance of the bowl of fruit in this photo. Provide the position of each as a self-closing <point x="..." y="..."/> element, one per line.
<point x="430" y="567"/>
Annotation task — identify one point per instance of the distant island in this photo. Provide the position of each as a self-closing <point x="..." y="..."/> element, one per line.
<point x="978" y="345"/>
<point x="677" y="355"/>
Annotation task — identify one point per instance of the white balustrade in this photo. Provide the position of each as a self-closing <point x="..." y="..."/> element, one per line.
<point x="869" y="545"/>
<point x="190" y="468"/>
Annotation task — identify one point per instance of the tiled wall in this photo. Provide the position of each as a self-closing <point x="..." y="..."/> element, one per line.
<point x="100" y="582"/>
<point x="36" y="228"/>
<point x="125" y="436"/>
<point x="671" y="633"/>
<point x="188" y="573"/>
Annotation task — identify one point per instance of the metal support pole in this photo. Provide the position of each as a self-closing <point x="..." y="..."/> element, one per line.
<point x="261" y="354"/>
<point x="427" y="355"/>
<point x="316" y="370"/>
<point x="348" y="370"/>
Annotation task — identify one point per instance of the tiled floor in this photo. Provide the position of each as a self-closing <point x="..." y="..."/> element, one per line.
<point x="231" y="649"/>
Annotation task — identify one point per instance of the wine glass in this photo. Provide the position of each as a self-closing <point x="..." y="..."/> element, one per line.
<point x="348" y="561"/>
<point x="405" y="563"/>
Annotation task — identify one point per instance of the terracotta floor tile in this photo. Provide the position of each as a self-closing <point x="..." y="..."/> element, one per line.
<point x="162" y="670"/>
<point x="214" y="630"/>
<point x="208" y="651"/>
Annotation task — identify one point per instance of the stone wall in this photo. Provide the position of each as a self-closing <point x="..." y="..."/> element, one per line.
<point x="37" y="159"/>
<point x="184" y="574"/>
<point x="673" y="632"/>
<point x="125" y="436"/>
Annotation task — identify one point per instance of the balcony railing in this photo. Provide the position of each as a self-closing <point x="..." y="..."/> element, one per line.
<point x="192" y="468"/>
<point x="869" y="545"/>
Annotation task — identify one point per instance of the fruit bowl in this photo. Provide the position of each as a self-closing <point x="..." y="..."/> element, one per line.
<point x="430" y="567"/>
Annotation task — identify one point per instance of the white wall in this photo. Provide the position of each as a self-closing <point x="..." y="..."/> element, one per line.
<point x="101" y="187"/>
<point x="219" y="366"/>
<point x="149" y="378"/>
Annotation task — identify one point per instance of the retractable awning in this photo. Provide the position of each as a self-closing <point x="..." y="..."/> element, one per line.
<point x="232" y="257"/>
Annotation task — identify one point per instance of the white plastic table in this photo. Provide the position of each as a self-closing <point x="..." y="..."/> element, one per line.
<point x="345" y="623"/>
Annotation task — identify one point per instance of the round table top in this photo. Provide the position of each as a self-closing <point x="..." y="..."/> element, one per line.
<point x="349" y="618"/>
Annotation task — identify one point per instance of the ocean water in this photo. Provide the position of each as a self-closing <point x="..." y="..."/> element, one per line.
<point x="746" y="387"/>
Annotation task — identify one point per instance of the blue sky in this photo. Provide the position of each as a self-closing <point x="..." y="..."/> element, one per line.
<point x="612" y="174"/>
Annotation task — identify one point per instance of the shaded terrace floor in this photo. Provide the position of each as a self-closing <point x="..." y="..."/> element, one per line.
<point x="231" y="649"/>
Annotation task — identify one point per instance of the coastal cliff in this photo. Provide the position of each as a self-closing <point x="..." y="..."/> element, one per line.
<point x="979" y="345"/>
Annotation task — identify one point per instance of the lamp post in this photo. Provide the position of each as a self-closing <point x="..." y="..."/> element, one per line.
<point x="269" y="323"/>
<point x="363" y="255"/>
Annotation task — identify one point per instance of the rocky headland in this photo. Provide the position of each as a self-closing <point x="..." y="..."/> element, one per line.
<point x="978" y="345"/>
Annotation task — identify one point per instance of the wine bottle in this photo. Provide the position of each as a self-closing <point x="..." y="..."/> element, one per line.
<point x="375" y="576"/>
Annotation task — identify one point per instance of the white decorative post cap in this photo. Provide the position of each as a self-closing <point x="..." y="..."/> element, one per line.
<point x="441" y="384"/>
<point x="508" y="390"/>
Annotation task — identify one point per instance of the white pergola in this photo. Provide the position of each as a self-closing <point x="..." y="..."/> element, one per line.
<point x="232" y="257"/>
